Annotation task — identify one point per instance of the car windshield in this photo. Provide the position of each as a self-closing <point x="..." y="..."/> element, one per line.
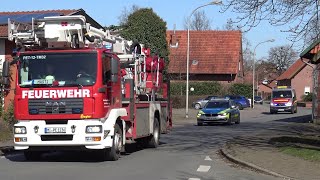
<point x="258" y="98"/>
<point x="217" y="104"/>
<point x="281" y="94"/>
<point x="209" y="97"/>
<point x="65" y="69"/>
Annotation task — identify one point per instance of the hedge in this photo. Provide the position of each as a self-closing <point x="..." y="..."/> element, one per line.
<point x="204" y="89"/>
<point x="200" y="88"/>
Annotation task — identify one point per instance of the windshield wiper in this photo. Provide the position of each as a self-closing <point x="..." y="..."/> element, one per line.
<point x="80" y="86"/>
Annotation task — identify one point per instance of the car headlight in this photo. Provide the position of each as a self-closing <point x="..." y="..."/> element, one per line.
<point x="94" y="129"/>
<point x="223" y="114"/>
<point x="289" y="104"/>
<point x="272" y="104"/>
<point x="20" y="130"/>
<point x="200" y="113"/>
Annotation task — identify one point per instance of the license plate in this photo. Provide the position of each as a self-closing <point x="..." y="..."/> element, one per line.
<point x="280" y="109"/>
<point x="55" y="130"/>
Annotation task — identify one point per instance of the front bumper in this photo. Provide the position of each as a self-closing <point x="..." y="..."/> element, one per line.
<point x="213" y="119"/>
<point x="75" y="135"/>
<point x="281" y="108"/>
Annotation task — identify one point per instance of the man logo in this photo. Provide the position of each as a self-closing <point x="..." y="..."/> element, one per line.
<point x="55" y="107"/>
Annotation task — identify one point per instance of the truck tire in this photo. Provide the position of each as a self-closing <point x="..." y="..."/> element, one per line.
<point x="155" y="137"/>
<point x="113" y="153"/>
<point x="32" y="155"/>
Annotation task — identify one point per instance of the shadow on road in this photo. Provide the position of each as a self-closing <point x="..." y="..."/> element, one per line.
<point x="296" y="119"/>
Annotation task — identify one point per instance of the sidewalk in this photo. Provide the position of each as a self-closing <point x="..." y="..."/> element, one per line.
<point x="261" y="151"/>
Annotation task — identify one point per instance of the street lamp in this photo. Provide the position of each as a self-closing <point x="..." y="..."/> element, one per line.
<point x="253" y="68"/>
<point x="216" y="2"/>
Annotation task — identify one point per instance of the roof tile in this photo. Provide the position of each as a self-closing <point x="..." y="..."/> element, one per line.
<point x="216" y="52"/>
<point x="292" y="70"/>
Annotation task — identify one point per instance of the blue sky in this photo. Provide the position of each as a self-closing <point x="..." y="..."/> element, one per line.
<point x="172" y="11"/>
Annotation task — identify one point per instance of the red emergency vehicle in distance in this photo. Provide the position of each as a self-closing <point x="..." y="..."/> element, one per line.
<point x="283" y="99"/>
<point x="80" y="88"/>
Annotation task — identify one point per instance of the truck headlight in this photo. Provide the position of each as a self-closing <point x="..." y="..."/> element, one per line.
<point x="94" y="129"/>
<point x="20" y="130"/>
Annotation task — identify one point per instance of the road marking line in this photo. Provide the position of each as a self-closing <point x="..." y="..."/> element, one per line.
<point x="194" y="179"/>
<point x="208" y="158"/>
<point x="203" y="168"/>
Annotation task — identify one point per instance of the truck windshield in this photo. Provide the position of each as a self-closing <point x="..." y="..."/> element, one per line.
<point x="57" y="69"/>
<point x="281" y="94"/>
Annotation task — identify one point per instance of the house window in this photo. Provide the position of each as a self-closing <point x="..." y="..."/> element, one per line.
<point x="306" y="90"/>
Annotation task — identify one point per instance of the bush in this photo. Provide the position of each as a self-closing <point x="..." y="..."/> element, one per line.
<point x="307" y="98"/>
<point x="200" y="88"/>
<point x="8" y="116"/>
<point x="241" y="89"/>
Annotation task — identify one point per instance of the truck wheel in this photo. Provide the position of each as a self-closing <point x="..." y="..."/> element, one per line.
<point x="32" y="155"/>
<point x="154" y="139"/>
<point x="113" y="153"/>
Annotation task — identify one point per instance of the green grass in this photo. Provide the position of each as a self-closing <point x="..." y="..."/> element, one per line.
<point x="304" y="153"/>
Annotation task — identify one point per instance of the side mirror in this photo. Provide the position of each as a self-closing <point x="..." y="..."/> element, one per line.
<point x="114" y="70"/>
<point x="6" y="73"/>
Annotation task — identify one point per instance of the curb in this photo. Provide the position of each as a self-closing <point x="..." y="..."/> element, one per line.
<point x="250" y="165"/>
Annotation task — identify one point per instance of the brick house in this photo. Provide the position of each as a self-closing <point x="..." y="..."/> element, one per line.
<point x="313" y="54"/>
<point x="264" y="90"/>
<point x="6" y="46"/>
<point x="214" y="55"/>
<point x="299" y="76"/>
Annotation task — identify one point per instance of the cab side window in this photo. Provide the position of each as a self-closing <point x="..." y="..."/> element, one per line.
<point x="106" y="67"/>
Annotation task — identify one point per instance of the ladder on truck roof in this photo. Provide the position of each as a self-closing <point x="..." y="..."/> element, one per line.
<point x="63" y="32"/>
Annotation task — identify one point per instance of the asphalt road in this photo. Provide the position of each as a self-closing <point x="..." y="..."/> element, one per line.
<point x="188" y="152"/>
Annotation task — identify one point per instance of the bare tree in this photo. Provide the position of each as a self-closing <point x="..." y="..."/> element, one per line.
<point x="123" y="18"/>
<point x="265" y="70"/>
<point x="199" y="21"/>
<point x="298" y="14"/>
<point x="282" y="57"/>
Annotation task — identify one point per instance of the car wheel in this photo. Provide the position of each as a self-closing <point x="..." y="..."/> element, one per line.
<point x="199" y="123"/>
<point x="292" y="110"/>
<point x="229" y="122"/>
<point x="238" y="120"/>
<point x="197" y="106"/>
<point x="240" y="106"/>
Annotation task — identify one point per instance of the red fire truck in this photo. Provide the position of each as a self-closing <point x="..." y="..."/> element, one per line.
<point x="82" y="88"/>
